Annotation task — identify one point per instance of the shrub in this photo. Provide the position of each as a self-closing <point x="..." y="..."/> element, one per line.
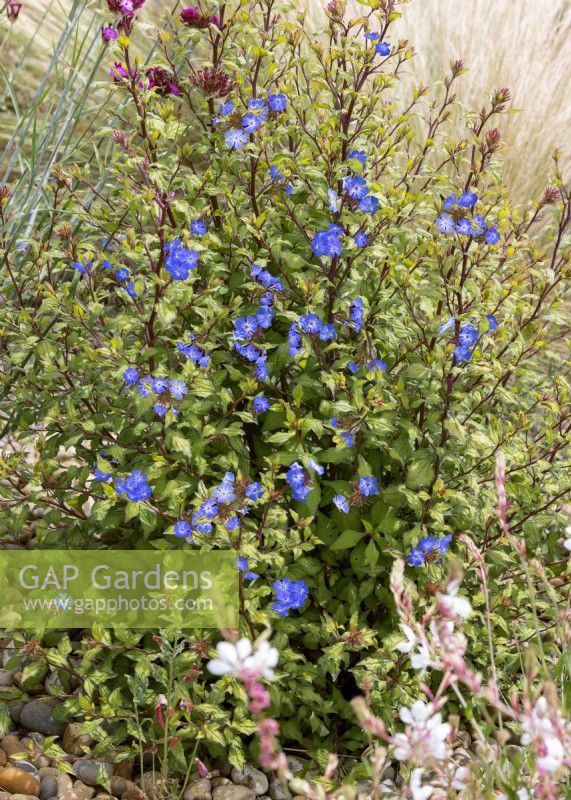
<point x="286" y="324"/>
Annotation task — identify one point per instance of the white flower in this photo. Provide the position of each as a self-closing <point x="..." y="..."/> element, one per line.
<point x="425" y="738"/>
<point x="567" y="542"/>
<point x="545" y="728"/>
<point x="418" y="791"/>
<point x="235" y="659"/>
<point x="420" y="659"/>
<point x="451" y="604"/>
<point x="459" y="778"/>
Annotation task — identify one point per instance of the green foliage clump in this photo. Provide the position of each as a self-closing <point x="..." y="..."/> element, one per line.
<point x="394" y="337"/>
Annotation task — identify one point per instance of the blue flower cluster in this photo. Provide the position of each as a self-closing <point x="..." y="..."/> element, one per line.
<point x="356" y="314"/>
<point x="242" y="564"/>
<point x="165" y="388"/>
<point x="194" y="352"/>
<point x="428" y="549"/>
<point x="346" y="436"/>
<point x="253" y="119"/>
<point x="310" y="325"/>
<point x="382" y="48"/>
<point x="356" y="188"/>
<point x="468" y="337"/>
<point x="122" y="276"/>
<point x="180" y="261"/>
<point x="289" y="595"/>
<point x="224" y="504"/>
<point x="298" y="479"/>
<point x="457" y="222"/>
<point x="134" y="486"/>
<point x="328" y="242"/>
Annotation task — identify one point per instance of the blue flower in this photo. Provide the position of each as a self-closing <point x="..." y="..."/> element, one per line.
<point x="245" y="328"/>
<point x="261" y="404"/>
<point x="180" y="261"/>
<point x="264" y="316"/>
<point x="493" y="323"/>
<point x="135" y="486"/>
<point x="242" y="565"/>
<point x="182" y="529"/>
<point x="310" y="323"/>
<point x="102" y="477"/>
<point x="464" y="227"/>
<point x="301" y="493"/>
<point x="295" y="475"/>
<point x="356" y="187"/>
<point x="251" y="123"/>
<point x="224" y="492"/>
<point x="491" y="236"/>
<point x="468" y="335"/>
<point x="160" y="409"/>
<point x="327" y="243"/>
<point x="445" y="223"/>
<point x="236" y="139"/>
<point x="198" y="227"/>
<point x="227" y="108"/>
<point x="368" y="486"/>
<point x="361" y="239"/>
<point x="194" y="353"/>
<point x="359" y="155"/>
<point x="334" y="422"/>
<point x="315" y="466"/>
<point x="178" y="389"/>
<point x="82" y="268"/>
<point x="261" y="371"/>
<point x="130" y="289"/>
<point x="467" y="199"/>
<point x="203" y="527"/>
<point x="256" y="104"/>
<point x="377" y="363"/>
<point x="348" y="438"/>
<point x="232" y="523"/>
<point x="327" y="332"/>
<point x="372" y="36"/>
<point x="450" y="202"/>
<point x="294" y="341"/>
<point x="447" y="325"/>
<point x="275" y="174"/>
<point x="369" y="205"/>
<point x="131" y="376"/>
<point x="416" y="558"/>
<point x="254" y="491"/>
<point x="159" y="385"/>
<point x="333" y="200"/>
<point x="289" y="595"/>
<point x="356" y="314"/>
<point x="277" y="102"/>
<point x="122" y="274"/>
<point x="106" y="264"/>
<point x="462" y="354"/>
<point x="342" y="503"/>
<point x="353" y="367"/>
<point x="208" y="508"/>
<point x="383" y="48"/>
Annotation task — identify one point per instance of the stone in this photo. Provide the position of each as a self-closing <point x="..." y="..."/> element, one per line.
<point x="41" y="761"/>
<point x="104" y="796"/>
<point x="5" y="796"/>
<point x="64" y="783"/>
<point x="74" y="741"/>
<point x="18" y="781"/>
<point x="220" y="781"/>
<point x="53" y="772"/>
<point x="15" y="711"/>
<point x="12" y="745"/>
<point x="87" y="770"/>
<point x="82" y="791"/>
<point x="278" y="790"/>
<point x="48" y="787"/>
<point x="7" y="677"/>
<point x="251" y="777"/>
<point x="3" y="758"/>
<point x="119" y="785"/>
<point x="27" y="767"/>
<point x="133" y="793"/>
<point x="37" y="716"/>
<point x="199" y="790"/>
<point x="24" y="797"/>
<point x="228" y="791"/>
<point x="124" y="769"/>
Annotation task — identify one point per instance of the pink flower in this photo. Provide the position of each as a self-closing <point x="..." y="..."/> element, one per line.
<point x="108" y="32"/>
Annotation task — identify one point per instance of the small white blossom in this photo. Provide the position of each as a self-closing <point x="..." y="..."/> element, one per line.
<point x="425" y="738"/>
<point x="420" y="659"/>
<point x="567" y="542"/>
<point x="418" y="791"/>
<point x="239" y="658"/>
<point x="453" y="605"/>
<point x="545" y="729"/>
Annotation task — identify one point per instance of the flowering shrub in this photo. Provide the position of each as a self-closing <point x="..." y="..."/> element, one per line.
<point x="290" y="324"/>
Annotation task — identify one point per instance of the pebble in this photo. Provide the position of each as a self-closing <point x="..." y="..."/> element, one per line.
<point x="251" y="777"/>
<point x="7" y="677"/>
<point x="18" y="781"/>
<point x="119" y="785"/>
<point x="82" y="791"/>
<point x="220" y="781"/>
<point x="64" y="783"/>
<point x="53" y="772"/>
<point x="37" y="716"/>
<point x="133" y="793"/>
<point x="105" y="797"/>
<point x="229" y="791"/>
<point x="124" y="769"/>
<point x="27" y="767"/>
<point x="151" y="784"/>
<point x="278" y="790"/>
<point x="11" y="745"/>
<point x="87" y="770"/>
<point x="74" y="741"/>
<point x="5" y="796"/>
<point x="48" y="787"/>
<point x="199" y="790"/>
<point x="295" y="764"/>
<point x="3" y="758"/>
<point x="364" y="788"/>
<point x="23" y="797"/>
